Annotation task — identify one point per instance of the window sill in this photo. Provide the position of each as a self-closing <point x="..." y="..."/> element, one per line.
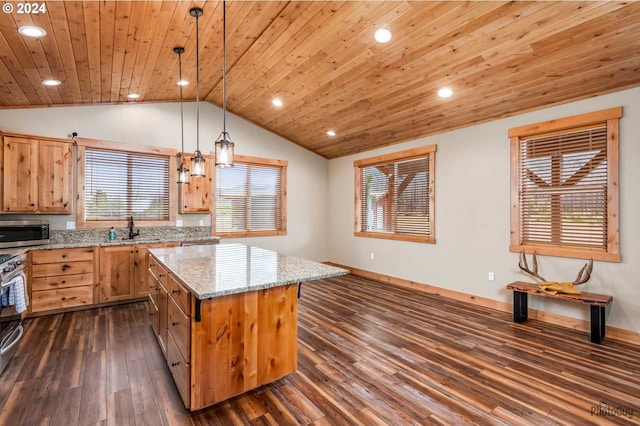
<point x="399" y="237"/>
<point x="567" y="252"/>
<point x="139" y="223"/>
<point x="242" y="234"/>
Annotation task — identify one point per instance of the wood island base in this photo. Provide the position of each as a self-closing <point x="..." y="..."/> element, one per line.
<point x="226" y="316"/>
<point x="242" y="341"/>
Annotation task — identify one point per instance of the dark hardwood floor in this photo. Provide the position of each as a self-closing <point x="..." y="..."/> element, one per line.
<point x="369" y="353"/>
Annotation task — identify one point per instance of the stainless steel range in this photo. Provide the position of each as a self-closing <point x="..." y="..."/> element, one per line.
<point x="13" y="303"/>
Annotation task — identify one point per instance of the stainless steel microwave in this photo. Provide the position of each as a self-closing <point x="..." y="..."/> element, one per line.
<point x="19" y="233"/>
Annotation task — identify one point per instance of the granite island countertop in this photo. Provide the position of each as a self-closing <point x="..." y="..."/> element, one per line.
<point x="217" y="270"/>
<point x="78" y="238"/>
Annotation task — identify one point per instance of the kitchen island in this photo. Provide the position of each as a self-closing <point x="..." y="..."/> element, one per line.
<point x="226" y="316"/>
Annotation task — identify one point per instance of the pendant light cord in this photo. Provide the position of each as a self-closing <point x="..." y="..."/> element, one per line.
<point x="181" y="107"/>
<point x="224" y="70"/>
<point x="197" y="86"/>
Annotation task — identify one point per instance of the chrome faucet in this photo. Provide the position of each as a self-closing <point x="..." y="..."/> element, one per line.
<point x="131" y="233"/>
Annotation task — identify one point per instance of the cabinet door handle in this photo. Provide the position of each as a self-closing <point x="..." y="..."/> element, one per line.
<point x="65" y="267"/>
<point x="65" y="204"/>
<point x="64" y="256"/>
<point x="32" y="205"/>
<point x="64" y="281"/>
<point x="176" y="292"/>
<point x="174" y="323"/>
<point x="151" y="266"/>
<point x="63" y="298"/>
<point x="173" y="364"/>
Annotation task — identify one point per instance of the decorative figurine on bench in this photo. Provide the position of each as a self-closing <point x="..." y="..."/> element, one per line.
<point x="555" y="287"/>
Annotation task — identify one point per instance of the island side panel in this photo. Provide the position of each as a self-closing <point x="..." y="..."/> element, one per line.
<point x="244" y="341"/>
<point x="277" y="333"/>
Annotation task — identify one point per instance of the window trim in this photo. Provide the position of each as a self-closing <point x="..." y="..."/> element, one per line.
<point x="611" y="118"/>
<point x="83" y="144"/>
<point x="386" y="158"/>
<point x="258" y="161"/>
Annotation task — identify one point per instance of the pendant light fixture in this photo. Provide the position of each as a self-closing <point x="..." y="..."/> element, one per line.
<point x="224" y="146"/>
<point x="197" y="161"/>
<point x="183" y="172"/>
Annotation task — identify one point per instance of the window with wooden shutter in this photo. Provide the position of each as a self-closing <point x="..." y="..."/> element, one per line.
<point x="251" y="198"/>
<point x="395" y="195"/>
<point x="116" y="184"/>
<point x="564" y="187"/>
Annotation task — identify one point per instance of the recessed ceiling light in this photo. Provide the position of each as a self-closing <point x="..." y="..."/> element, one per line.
<point x="445" y="92"/>
<point x="382" y="35"/>
<point x="31" y="31"/>
<point x="277" y="102"/>
<point x="331" y="133"/>
<point x="133" y="96"/>
<point x="51" y="82"/>
<point x="182" y="82"/>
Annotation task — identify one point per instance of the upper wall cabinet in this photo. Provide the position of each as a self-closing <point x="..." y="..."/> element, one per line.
<point x="197" y="195"/>
<point x="36" y="175"/>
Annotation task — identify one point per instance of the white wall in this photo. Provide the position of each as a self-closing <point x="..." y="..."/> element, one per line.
<point x="158" y="124"/>
<point x="472" y="217"/>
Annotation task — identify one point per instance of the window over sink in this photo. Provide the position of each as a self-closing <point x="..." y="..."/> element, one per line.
<point x="117" y="181"/>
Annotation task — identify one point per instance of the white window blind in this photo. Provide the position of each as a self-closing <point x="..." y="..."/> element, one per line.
<point x="249" y="198"/>
<point x="563" y="189"/>
<point x="120" y="184"/>
<point x="395" y="197"/>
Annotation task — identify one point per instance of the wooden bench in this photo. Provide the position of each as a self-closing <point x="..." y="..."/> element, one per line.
<point x="598" y="303"/>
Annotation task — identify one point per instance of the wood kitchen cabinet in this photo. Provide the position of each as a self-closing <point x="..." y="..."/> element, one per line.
<point x="116" y="273"/>
<point x="197" y="195"/>
<point x="36" y="175"/>
<point x="123" y="271"/>
<point x="63" y="278"/>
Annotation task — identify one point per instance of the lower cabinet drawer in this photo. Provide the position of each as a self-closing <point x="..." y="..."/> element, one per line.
<point x="63" y="268"/>
<point x="179" y="370"/>
<point x="61" y="281"/>
<point x="180" y="295"/>
<point x="61" y="298"/>
<point x="179" y="328"/>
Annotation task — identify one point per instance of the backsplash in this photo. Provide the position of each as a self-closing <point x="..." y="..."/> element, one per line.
<point x="169" y="233"/>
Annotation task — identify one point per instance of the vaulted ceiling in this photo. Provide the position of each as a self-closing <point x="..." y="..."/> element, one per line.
<point x="320" y="58"/>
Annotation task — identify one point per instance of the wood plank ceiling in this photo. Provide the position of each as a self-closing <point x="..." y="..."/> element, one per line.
<point x="320" y="58"/>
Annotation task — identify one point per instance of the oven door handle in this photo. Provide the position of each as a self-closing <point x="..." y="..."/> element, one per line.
<point x="14" y="340"/>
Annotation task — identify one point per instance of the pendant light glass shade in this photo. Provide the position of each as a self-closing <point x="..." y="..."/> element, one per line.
<point x="224" y="146"/>
<point x="197" y="164"/>
<point x="224" y="151"/>
<point x="197" y="161"/>
<point x="183" y="172"/>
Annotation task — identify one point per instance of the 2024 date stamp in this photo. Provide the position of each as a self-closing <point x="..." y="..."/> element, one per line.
<point x="25" y="8"/>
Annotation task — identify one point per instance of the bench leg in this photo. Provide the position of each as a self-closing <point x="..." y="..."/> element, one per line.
<point x="520" y="306"/>
<point x="597" y="323"/>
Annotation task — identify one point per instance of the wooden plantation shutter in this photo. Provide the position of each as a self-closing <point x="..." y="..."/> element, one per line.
<point x="564" y="186"/>
<point x="120" y="184"/>
<point x="250" y="197"/>
<point x="395" y="196"/>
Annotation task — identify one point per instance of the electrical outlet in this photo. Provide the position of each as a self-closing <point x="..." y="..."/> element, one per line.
<point x="492" y="276"/>
<point x="178" y="222"/>
<point x="201" y="222"/>
<point x="71" y="225"/>
<point x="373" y="256"/>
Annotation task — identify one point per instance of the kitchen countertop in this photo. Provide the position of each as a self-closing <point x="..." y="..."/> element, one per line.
<point x="99" y="237"/>
<point x="217" y="270"/>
